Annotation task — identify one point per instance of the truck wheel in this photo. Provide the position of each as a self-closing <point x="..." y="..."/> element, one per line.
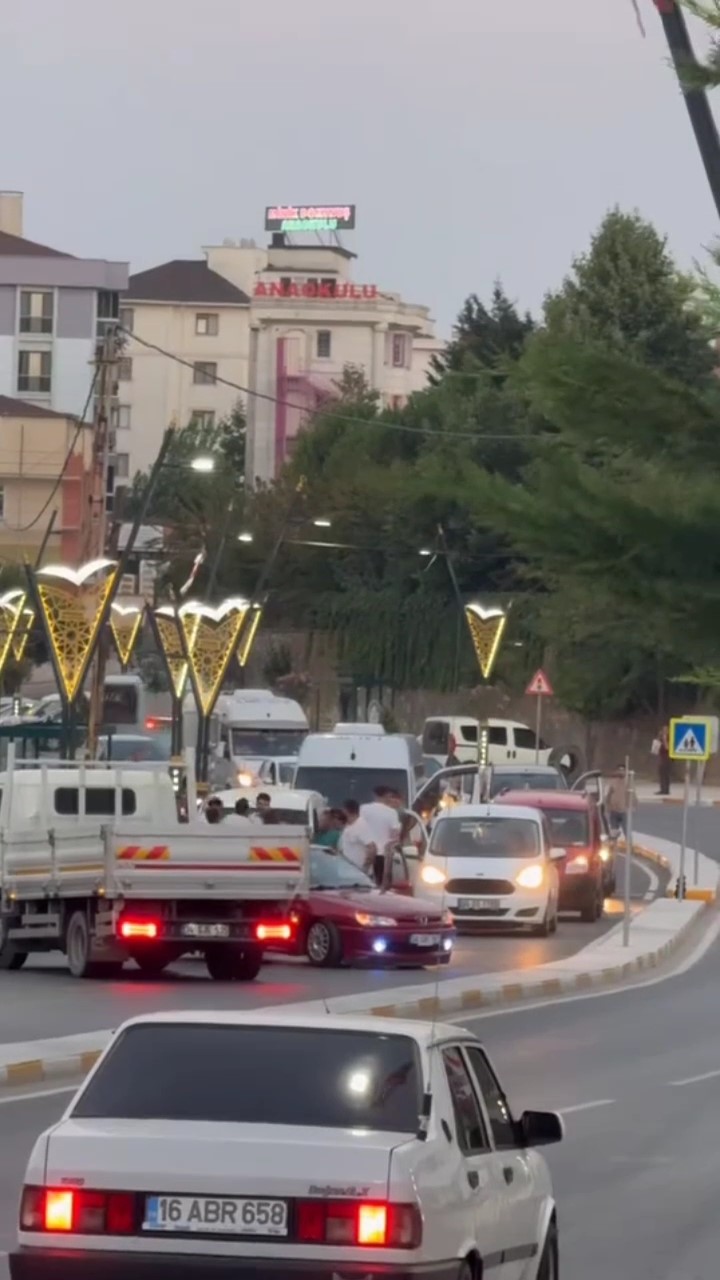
<point x="10" y="957"/>
<point x="323" y="944"/>
<point x="231" y="964"/>
<point x="78" y="946"/>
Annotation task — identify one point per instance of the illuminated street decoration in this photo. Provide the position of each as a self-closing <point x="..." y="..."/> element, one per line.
<point x="486" y="631"/>
<point x="247" y="636"/>
<point x="125" y="624"/>
<point x="16" y="621"/>
<point x="166" y="626"/>
<point x="211" y="637"/>
<point x="73" y="607"/>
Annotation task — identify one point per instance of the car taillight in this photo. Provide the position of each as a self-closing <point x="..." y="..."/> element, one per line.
<point x="139" y="929"/>
<point x="89" y="1213"/>
<point x="374" y="1224"/>
<point x="273" y="932"/>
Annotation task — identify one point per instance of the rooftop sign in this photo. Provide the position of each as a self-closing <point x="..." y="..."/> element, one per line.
<point x="311" y="217"/>
<point x="336" y="291"/>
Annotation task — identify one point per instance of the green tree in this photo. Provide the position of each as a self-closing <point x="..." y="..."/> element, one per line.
<point x="628" y="293"/>
<point x="484" y="337"/>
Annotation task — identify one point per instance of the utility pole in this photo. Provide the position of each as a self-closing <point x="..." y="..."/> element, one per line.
<point x="696" y="100"/>
<point x="100" y="544"/>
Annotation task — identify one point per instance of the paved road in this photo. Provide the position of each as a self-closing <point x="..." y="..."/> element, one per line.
<point x="665" y="821"/>
<point x="638" y="1075"/>
<point x="42" y="1000"/>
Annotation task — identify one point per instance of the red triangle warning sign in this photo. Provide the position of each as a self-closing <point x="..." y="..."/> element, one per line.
<point x="540" y="686"/>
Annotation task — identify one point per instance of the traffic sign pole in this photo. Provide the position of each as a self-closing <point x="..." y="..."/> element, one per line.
<point x="683" y="838"/>
<point x="539" y="688"/>
<point x="629" y="789"/>
<point x="538" y="725"/>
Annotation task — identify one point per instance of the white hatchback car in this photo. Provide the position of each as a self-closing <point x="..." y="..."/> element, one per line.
<point x="245" y="1145"/>
<point x="494" y="864"/>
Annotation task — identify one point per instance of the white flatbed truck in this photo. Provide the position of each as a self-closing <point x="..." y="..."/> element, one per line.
<point x="95" y="863"/>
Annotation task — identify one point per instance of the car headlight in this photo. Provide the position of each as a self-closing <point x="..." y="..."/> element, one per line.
<point x="531" y="877"/>
<point x="245" y="779"/>
<point x="432" y="875"/>
<point x="448" y="917"/>
<point x="604" y="853"/>
<point x="376" y="922"/>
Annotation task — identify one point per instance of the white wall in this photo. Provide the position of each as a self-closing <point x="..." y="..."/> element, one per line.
<point x="71" y="375"/>
<point x="8" y="369"/>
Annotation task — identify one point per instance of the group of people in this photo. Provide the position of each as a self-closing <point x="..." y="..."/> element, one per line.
<point x="365" y="833"/>
<point x="243" y="817"/>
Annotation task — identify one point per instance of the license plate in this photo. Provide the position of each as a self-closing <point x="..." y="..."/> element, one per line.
<point x="220" y="1215"/>
<point x="425" y="939"/>
<point x="477" y="904"/>
<point x="206" y="931"/>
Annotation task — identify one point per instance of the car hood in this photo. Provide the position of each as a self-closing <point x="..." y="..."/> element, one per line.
<point x="409" y="910"/>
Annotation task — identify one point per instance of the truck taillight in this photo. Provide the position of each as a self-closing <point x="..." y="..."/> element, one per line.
<point x="139" y="929"/>
<point x="80" y="1212"/>
<point x="273" y="932"/>
<point x="373" y="1224"/>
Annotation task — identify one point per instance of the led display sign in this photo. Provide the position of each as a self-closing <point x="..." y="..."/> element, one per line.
<point x="311" y="217"/>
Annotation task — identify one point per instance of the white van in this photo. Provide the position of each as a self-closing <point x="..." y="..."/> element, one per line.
<point x="508" y="740"/>
<point x="349" y="765"/>
<point x="248" y="727"/>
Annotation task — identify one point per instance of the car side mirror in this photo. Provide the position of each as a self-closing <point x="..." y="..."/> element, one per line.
<point x="541" y="1128"/>
<point x="557" y="854"/>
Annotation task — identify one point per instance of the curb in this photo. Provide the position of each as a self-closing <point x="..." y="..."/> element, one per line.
<point x="42" y="1070"/>
<point x="691" y="894"/>
<point x="512" y="993"/>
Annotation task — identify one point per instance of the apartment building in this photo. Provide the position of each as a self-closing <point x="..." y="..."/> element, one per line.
<point x="282" y="321"/>
<point x="53" y="308"/>
<point x="45" y="460"/>
<point x="186" y="308"/>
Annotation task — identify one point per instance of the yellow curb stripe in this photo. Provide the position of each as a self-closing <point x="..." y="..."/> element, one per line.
<point x="472" y="999"/>
<point x="32" y="1072"/>
<point x="513" y="991"/>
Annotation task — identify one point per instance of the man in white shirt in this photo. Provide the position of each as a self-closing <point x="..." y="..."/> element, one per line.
<point x="240" y="820"/>
<point x="383" y="820"/>
<point x="356" y="841"/>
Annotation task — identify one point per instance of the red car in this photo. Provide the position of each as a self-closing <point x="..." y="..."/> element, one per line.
<point x="345" y="919"/>
<point x="575" y="823"/>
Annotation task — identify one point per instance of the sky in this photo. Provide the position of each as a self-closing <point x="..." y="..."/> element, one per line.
<point x="479" y="139"/>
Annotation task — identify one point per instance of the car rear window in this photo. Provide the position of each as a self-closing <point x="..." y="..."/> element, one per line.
<point x="550" y="781"/>
<point x="486" y="838"/>
<point x="258" y="1075"/>
<point x="569" y="826"/>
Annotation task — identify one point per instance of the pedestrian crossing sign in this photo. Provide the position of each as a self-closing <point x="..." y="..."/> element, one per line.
<point x="690" y="739"/>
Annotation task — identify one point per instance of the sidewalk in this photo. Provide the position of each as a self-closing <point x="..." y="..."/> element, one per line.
<point x="646" y="793"/>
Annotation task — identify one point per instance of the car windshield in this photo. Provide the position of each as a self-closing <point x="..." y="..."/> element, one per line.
<point x="333" y="871"/>
<point x="227" y="1074"/>
<point x="338" y="785"/>
<point x="249" y="744"/>
<point x="550" y="781"/>
<point x="569" y="827"/>
<point x="485" y="838"/>
<point x="155" y="748"/>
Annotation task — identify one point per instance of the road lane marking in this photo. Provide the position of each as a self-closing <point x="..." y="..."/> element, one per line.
<point x="706" y="942"/>
<point x="587" y="1106"/>
<point x="39" y="1093"/>
<point x="707" y="1075"/>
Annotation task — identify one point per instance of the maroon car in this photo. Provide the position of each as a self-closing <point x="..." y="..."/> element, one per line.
<point x="345" y="919"/>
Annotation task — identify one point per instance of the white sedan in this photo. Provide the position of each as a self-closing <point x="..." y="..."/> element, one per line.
<point x="494" y="864"/>
<point x="275" y="1145"/>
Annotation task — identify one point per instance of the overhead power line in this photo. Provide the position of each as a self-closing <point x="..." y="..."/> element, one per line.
<point x="350" y="419"/>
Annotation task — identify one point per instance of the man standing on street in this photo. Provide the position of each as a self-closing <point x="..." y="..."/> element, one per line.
<point x="356" y="841"/>
<point x="383" y="819"/>
<point x="617" y="800"/>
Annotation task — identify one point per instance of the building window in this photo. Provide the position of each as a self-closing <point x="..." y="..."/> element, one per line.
<point x="127" y="318"/>
<point x="125" y="369"/>
<point x="207" y="323"/>
<point x="204" y="373"/>
<point x="34" y="372"/>
<point x="203" y="418"/>
<point x="120" y="417"/>
<point x="36" y="311"/>
<point x="399" y="350"/>
<point x="122" y="466"/>
<point x="323" y="344"/>
<point x="108" y="305"/>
